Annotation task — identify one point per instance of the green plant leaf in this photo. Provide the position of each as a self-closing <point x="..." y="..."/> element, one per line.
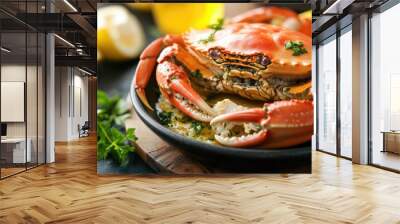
<point x="113" y="141"/>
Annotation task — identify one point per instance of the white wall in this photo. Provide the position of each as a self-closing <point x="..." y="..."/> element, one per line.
<point x="61" y="103"/>
<point x="71" y="93"/>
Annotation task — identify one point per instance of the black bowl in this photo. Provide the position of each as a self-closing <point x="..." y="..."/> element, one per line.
<point x="287" y="160"/>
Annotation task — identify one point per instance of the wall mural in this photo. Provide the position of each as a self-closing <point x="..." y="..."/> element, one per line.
<point x="204" y="88"/>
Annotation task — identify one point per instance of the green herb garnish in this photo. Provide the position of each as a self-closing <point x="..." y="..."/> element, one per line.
<point x="165" y="117"/>
<point x="113" y="141"/>
<point x="296" y="46"/>
<point x="197" y="127"/>
<point x="217" y="26"/>
<point x="196" y="74"/>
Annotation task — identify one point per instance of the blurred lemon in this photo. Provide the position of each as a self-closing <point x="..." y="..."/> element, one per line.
<point x="177" y="18"/>
<point x="140" y="6"/>
<point x="306" y="15"/>
<point x="99" y="56"/>
<point x="119" y="34"/>
<point x="306" y="20"/>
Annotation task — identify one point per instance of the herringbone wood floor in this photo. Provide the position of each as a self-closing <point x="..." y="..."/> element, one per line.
<point x="70" y="191"/>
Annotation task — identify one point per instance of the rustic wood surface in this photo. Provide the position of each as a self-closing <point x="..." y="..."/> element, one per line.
<point x="70" y="191"/>
<point x="168" y="159"/>
<point x="161" y="156"/>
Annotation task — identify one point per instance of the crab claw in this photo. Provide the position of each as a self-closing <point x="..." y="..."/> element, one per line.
<point x="148" y="61"/>
<point x="250" y="115"/>
<point x="246" y="123"/>
<point x="279" y="124"/>
<point x="289" y="123"/>
<point x="144" y="69"/>
<point x="306" y="26"/>
<point x="175" y="86"/>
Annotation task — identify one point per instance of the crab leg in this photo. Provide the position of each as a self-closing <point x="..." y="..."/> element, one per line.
<point x="287" y="123"/>
<point x="273" y="15"/>
<point x="276" y="16"/>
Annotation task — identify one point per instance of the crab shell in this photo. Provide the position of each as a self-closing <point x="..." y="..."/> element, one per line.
<point x="243" y="39"/>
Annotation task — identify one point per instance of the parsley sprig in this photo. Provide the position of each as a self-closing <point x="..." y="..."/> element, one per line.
<point x="197" y="127"/>
<point x="113" y="140"/>
<point x="296" y="46"/>
<point x="217" y="26"/>
<point x="165" y="117"/>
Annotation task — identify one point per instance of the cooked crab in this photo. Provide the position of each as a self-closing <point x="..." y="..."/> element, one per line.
<point x="256" y="61"/>
<point x="278" y="124"/>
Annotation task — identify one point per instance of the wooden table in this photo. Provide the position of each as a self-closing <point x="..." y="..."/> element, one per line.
<point x="161" y="156"/>
<point x="168" y="159"/>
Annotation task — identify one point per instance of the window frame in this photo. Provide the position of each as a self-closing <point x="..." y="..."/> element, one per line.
<point x="340" y="28"/>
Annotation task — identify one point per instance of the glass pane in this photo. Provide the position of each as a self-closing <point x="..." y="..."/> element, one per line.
<point x="13" y="86"/>
<point x="32" y="98"/>
<point x="23" y="92"/>
<point x="327" y="96"/>
<point x="385" y="89"/>
<point x="313" y="89"/>
<point x="346" y="94"/>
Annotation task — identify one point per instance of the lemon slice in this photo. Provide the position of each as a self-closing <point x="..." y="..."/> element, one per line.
<point x="119" y="33"/>
<point x="99" y="56"/>
<point x="176" y="18"/>
<point x="306" y="15"/>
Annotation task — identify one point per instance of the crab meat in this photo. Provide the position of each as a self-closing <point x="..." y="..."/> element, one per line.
<point x="226" y="131"/>
<point x="240" y="134"/>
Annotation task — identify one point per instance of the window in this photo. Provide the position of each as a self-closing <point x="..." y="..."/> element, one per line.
<point x="385" y="89"/>
<point x="327" y="95"/>
<point x="22" y="77"/>
<point x="346" y="92"/>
